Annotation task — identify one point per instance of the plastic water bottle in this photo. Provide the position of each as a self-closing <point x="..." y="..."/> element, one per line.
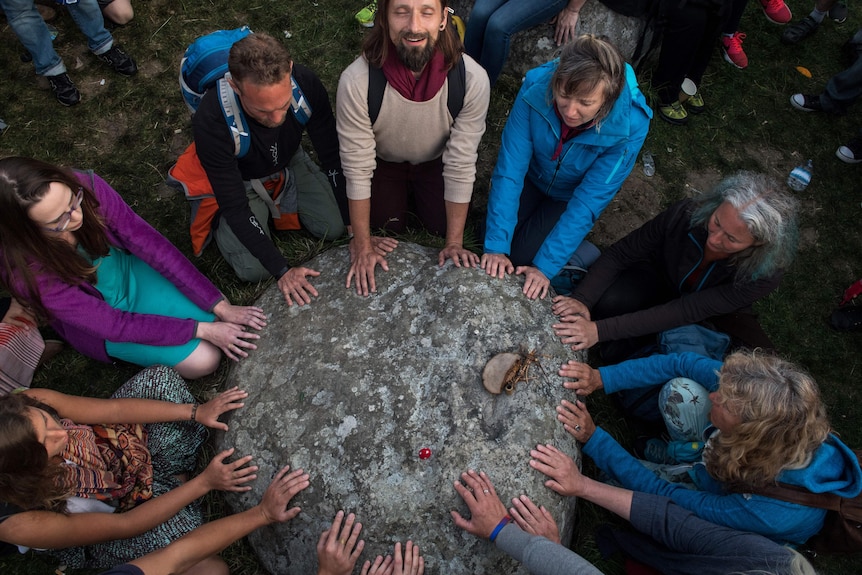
<point x="649" y="164"/>
<point x="800" y="176"/>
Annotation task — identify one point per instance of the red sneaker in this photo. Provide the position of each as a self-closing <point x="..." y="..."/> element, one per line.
<point x="776" y="11"/>
<point x="731" y="46"/>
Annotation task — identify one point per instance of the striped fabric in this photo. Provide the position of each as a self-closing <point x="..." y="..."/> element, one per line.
<point x="20" y="351"/>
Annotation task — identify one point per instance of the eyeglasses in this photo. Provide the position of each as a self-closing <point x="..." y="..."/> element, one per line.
<point x="63" y="221"/>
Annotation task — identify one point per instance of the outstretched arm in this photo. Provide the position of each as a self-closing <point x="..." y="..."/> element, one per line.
<point x="132" y="410"/>
<point x="212" y="537"/>
<point x="50" y="530"/>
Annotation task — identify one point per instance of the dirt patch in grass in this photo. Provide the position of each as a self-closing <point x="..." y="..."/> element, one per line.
<point x="640" y="199"/>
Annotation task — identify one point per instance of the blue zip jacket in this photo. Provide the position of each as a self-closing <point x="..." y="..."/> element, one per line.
<point x="587" y="174"/>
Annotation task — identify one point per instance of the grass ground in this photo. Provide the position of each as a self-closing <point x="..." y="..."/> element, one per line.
<point x="131" y="131"/>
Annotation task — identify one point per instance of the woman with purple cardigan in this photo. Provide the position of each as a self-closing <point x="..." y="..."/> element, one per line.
<point x="76" y="254"/>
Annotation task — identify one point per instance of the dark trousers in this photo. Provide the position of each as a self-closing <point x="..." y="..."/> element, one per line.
<point x="537" y="216"/>
<point x="399" y="188"/>
<point x="689" y="37"/>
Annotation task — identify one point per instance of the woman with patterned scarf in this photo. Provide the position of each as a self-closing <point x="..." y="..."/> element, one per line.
<point x="102" y="481"/>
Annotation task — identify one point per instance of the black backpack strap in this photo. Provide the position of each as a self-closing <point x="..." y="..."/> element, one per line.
<point x="376" y="87"/>
<point x="457" y="77"/>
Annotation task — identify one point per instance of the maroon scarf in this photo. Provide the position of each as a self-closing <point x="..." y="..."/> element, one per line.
<point x="420" y="89"/>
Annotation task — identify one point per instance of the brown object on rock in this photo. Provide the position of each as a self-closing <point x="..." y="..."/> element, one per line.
<point x="499" y="371"/>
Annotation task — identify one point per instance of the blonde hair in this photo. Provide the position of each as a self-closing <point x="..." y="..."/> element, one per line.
<point x="783" y="421"/>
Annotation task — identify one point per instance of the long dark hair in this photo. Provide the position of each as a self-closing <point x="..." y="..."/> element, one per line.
<point x="375" y="46"/>
<point x="26" y="249"/>
<point x="28" y="478"/>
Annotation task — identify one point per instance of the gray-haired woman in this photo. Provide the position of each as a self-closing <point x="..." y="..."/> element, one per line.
<point x="704" y="259"/>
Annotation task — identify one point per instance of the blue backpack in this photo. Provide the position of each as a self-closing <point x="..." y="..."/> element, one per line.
<point x="204" y="66"/>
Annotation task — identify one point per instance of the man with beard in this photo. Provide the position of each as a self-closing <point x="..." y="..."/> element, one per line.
<point x="415" y="157"/>
<point x="264" y="79"/>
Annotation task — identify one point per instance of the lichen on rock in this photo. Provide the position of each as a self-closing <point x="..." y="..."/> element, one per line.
<point x="351" y="388"/>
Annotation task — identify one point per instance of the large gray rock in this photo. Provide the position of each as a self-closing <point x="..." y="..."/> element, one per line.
<point x="351" y="388"/>
<point x="535" y="46"/>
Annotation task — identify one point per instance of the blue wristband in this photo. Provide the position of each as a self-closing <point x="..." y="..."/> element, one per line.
<point x="499" y="527"/>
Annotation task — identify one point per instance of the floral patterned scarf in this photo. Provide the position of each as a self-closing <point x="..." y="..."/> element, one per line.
<point x="108" y="462"/>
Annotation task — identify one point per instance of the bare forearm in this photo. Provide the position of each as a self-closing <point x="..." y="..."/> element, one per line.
<point x="84" y="410"/>
<point x="49" y="530"/>
<point x="360" y="221"/>
<point x="575" y="5"/>
<point x="456" y="219"/>
<point x="615" y="499"/>
<point x="201" y="543"/>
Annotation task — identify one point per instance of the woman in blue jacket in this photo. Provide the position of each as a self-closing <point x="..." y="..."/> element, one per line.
<point x="571" y="140"/>
<point x="770" y="426"/>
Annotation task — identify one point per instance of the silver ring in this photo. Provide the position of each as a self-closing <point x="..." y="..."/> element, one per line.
<point x="577" y="427"/>
<point x="485" y="491"/>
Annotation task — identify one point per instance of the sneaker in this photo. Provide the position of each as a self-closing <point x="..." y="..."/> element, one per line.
<point x="673" y="113"/>
<point x="776" y="11"/>
<point x="796" y="33"/>
<point x="731" y="46"/>
<point x="806" y="102"/>
<point x="695" y="104"/>
<point x="852" y="152"/>
<point x="64" y="89"/>
<point x="119" y="61"/>
<point x="838" y="13"/>
<point x="365" y="17"/>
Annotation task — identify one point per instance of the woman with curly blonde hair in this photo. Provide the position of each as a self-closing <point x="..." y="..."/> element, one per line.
<point x="782" y="422"/>
<point x="763" y="422"/>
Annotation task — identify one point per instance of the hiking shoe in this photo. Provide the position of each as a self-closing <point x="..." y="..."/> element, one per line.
<point x="64" y="89"/>
<point x="673" y="113"/>
<point x="838" y="13"/>
<point x="776" y="11"/>
<point x="695" y="104"/>
<point x="851" y="153"/>
<point x="806" y="102"/>
<point x="121" y="62"/>
<point x="365" y="17"/>
<point x="796" y="33"/>
<point x="731" y="47"/>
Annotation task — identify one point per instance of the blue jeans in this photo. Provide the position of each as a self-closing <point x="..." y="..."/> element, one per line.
<point x="34" y="34"/>
<point x="845" y="87"/>
<point x="492" y="23"/>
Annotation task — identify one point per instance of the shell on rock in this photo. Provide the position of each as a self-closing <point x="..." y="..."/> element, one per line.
<point x="497" y="371"/>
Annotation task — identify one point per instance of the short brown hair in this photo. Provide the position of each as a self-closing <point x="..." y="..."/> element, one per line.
<point x="259" y="59"/>
<point x="586" y="62"/>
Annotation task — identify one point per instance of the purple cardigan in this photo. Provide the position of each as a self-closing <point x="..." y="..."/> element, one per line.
<point x="83" y="318"/>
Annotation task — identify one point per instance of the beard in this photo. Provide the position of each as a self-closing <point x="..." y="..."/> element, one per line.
<point x="415" y="58"/>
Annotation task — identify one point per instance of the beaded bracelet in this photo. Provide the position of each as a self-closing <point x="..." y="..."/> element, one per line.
<point x="499" y="527"/>
<point x="194" y="411"/>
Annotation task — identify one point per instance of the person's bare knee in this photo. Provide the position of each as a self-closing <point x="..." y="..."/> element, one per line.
<point x="204" y="360"/>
<point x="119" y="12"/>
